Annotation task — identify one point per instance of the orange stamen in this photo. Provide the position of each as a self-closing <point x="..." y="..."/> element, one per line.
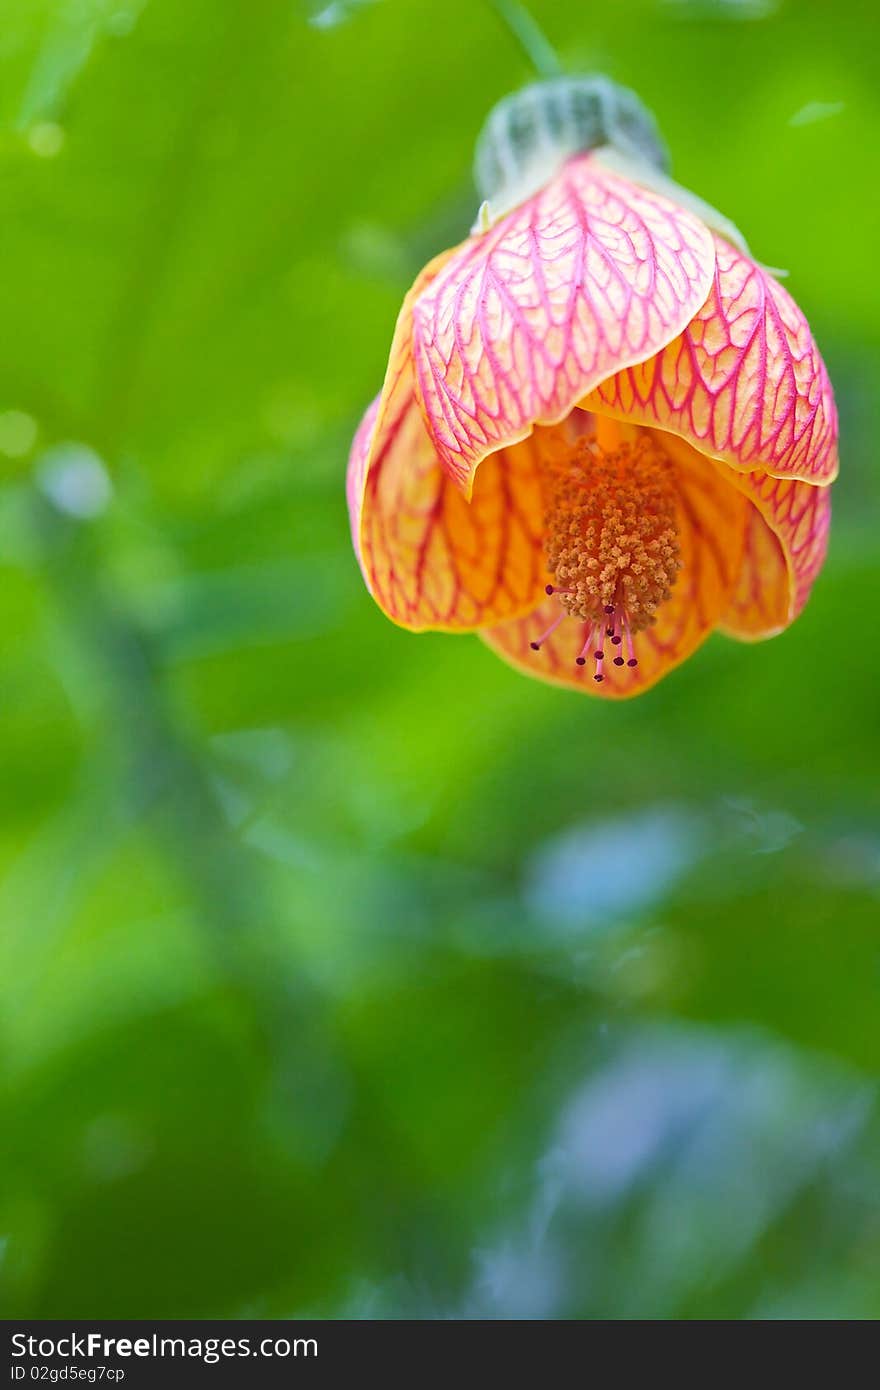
<point x="611" y="535"/>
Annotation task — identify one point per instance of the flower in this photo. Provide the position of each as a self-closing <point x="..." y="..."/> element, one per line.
<point x="604" y="430"/>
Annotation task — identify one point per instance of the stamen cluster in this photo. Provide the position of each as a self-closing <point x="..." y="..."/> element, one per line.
<point x="611" y="531"/>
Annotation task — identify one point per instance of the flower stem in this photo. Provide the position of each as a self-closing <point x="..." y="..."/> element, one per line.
<point x="529" y="35"/>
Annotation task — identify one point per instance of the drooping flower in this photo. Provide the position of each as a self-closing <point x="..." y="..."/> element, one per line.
<point x="604" y="430"/>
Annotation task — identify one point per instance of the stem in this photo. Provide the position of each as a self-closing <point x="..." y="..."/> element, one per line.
<point x="169" y="790"/>
<point x="529" y="35"/>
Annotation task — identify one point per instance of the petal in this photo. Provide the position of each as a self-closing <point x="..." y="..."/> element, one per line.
<point x="384" y="416"/>
<point x="785" y="546"/>
<point x="590" y="275"/>
<point x="712" y="515"/>
<point x="744" y="382"/>
<point x="759" y="605"/>
<point x="430" y="558"/>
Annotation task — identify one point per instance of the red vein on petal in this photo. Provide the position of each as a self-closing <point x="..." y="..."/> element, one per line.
<point x="744" y="382"/>
<point x="591" y="273"/>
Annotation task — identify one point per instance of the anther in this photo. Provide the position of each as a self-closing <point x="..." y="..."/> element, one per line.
<point x="629" y="644"/>
<point x="581" y="658"/>
<point x="536" y="646"/>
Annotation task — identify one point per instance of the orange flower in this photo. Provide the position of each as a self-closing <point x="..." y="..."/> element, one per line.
<point x="604" y="430"/>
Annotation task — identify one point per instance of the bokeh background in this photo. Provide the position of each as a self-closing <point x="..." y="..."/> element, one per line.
<point x="345" y="972"/>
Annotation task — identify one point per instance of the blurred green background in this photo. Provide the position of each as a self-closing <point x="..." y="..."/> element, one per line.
<point x="349" y="973"/>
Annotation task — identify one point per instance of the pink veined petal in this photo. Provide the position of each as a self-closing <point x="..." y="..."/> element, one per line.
<point x="759" y="606"/>
<point x="356" y="478"/>
<point x="786" y="544"/>
<point x="785" y="541"/>
<point x="383" y="418"/>
<point x="590" y="275"/>
<point x="744" y="382"/>
<point x="432" y="559"/>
